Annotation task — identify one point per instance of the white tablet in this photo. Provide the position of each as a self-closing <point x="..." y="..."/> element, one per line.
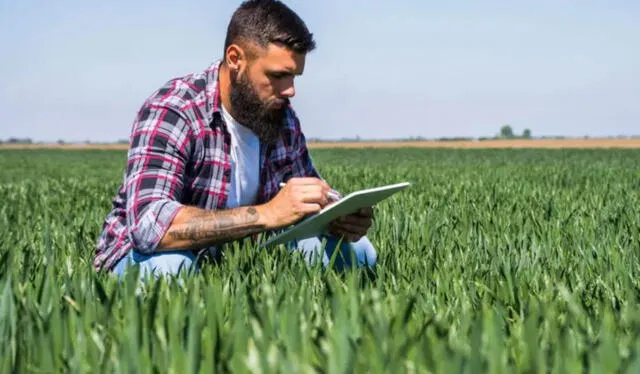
<point x="317" y="224"/>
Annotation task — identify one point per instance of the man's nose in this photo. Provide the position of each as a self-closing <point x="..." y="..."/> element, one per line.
<point x="289" y="91"/>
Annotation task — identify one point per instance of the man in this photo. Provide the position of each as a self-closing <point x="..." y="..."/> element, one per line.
<point x="208" y="152"/>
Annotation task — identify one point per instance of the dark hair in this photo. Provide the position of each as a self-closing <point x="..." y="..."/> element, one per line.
<point x="268" y="21"/>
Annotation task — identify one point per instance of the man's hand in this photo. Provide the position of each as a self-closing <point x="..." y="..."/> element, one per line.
<point x="354" y="226"/>
<point x="298" y="198"/>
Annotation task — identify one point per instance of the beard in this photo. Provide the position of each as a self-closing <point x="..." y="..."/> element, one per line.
<point x="265" y="122"/>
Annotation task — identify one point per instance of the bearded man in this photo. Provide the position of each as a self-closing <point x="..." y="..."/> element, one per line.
<point x="209" y="151"/>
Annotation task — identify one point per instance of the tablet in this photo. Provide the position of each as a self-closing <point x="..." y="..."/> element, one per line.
<point x="317" y="224"/>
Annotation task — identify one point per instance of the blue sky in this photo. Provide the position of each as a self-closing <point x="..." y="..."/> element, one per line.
<point x="78" y="70"/>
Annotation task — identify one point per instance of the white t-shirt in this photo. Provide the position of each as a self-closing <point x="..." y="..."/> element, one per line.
<point x="245" y="163"/>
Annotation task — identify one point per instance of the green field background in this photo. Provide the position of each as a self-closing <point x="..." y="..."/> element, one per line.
<point x="495" y="261"/>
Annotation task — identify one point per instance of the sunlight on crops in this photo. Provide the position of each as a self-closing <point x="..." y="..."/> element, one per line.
<point x="492" y="261"/>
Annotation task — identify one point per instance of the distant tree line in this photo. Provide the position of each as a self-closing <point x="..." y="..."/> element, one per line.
<point x="17" y="141"/>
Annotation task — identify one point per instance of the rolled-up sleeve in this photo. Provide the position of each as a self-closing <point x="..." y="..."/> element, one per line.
<point x="156" y="163"/>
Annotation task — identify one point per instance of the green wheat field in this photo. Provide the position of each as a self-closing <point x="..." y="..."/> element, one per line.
<point x="496" y="261"/>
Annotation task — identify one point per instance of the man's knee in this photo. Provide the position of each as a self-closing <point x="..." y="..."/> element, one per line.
<point x="362" y="252"/>
<point x="366" y="254"/>
<point x="170" y="263"/>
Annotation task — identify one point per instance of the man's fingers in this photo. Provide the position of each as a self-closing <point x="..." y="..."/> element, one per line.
<point x="349" y="236"/>
<point x="314" y="196"/>
<point x="352" y="234"/>
<point x="306" y="189"/>
<point x="353" y="229"/>
<point x="356" y="220"/>
<point x="325" y="185"/>
<point x="309" y="182"/>
<point x="311" y="208"/>
<point x="366" y="211"/>
<point x="350" y="228"/>
<point x="301" y="181"/>
<point x="361" y="214"/>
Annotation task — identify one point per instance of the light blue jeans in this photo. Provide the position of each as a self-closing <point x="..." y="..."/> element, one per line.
<point x="171" y="263"/>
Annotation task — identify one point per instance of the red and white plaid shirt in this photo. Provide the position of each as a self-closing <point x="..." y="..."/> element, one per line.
<point x="179" y="155"/>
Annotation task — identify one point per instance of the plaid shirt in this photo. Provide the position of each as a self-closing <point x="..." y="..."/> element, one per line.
<point x="179" y="155"/>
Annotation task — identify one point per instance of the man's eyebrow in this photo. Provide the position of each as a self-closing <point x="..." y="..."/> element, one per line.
<point x="288" y="72"/>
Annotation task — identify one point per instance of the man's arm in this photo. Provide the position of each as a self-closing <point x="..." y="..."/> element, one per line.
<point x="195" y="228"/>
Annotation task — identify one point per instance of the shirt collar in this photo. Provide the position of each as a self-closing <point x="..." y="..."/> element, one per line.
<point x="213" y="87"/>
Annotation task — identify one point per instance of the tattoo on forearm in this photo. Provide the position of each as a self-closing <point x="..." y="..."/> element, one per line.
<point x="210" y="228"/>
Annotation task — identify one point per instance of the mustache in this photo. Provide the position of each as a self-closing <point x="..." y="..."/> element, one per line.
<point x="282" y="102"/>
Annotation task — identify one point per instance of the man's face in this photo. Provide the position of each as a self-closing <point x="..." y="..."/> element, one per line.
<point x="261" y="89"/>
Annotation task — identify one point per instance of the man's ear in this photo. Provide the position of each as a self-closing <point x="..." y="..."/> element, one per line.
<point x="235" y="58"/>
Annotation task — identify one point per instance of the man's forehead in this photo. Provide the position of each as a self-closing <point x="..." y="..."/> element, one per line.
<point x="277" y="57"/>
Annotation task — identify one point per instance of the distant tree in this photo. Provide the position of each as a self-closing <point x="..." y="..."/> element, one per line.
<point x="506" y="132"/>
<point x="60" y="142"/>
<point x="526" y="134"/>
<point x="19" y="141"/>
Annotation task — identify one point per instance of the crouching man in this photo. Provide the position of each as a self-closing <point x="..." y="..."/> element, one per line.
<point x="208" y="152"/>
